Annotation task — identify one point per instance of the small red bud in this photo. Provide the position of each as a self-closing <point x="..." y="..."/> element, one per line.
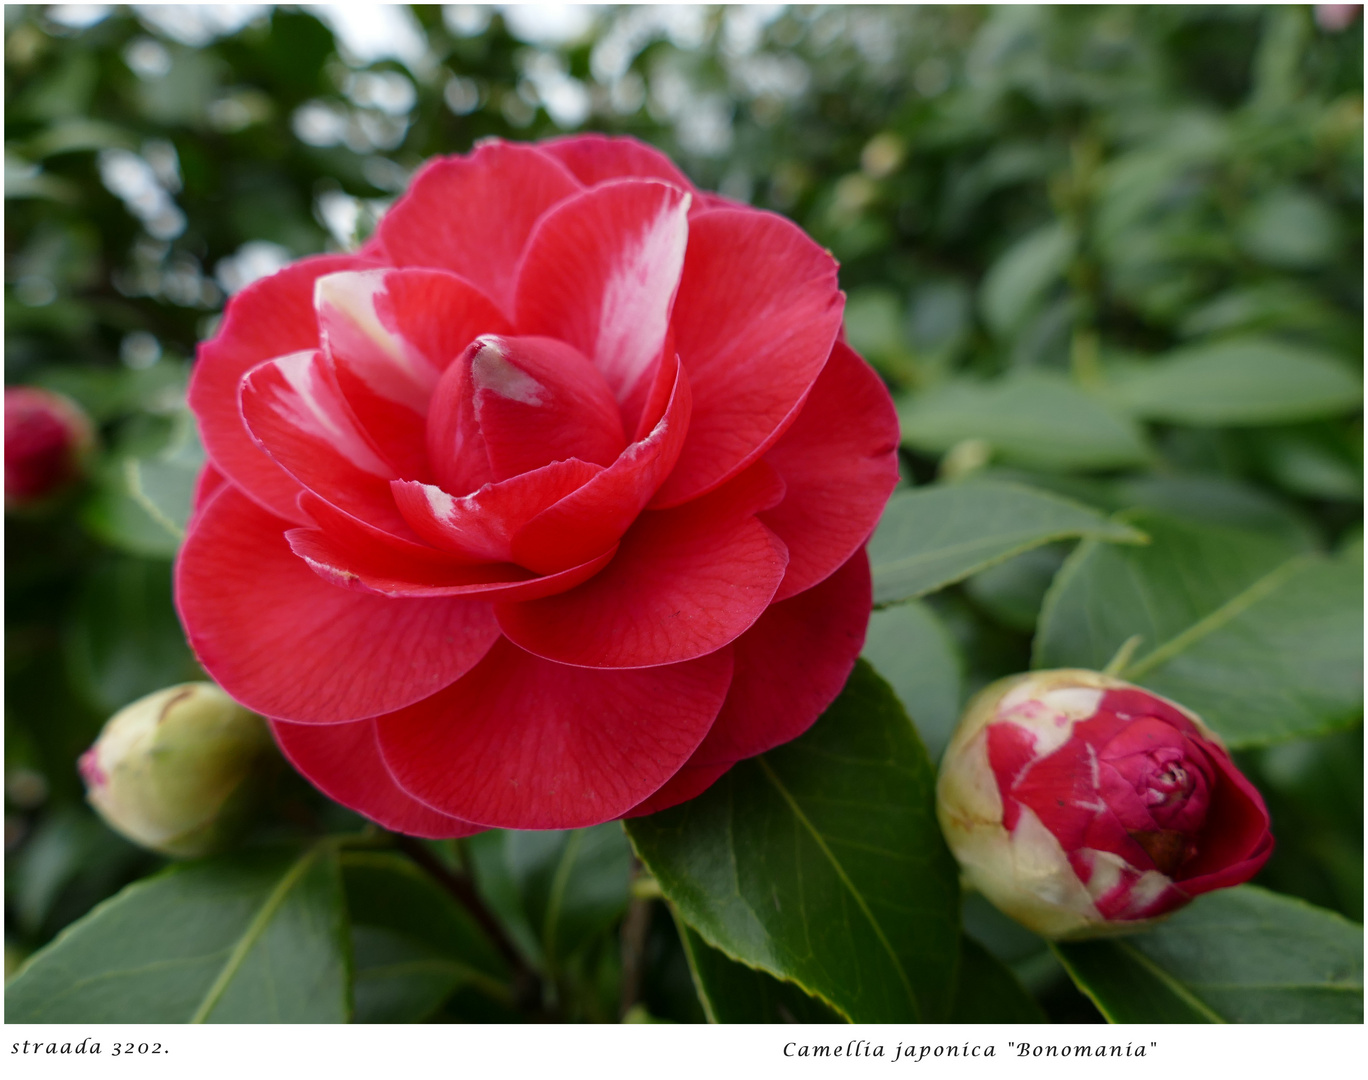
<point x="47" y="437"/>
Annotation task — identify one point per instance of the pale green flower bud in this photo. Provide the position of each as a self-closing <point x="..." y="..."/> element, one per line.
<point x="175" y="770"/>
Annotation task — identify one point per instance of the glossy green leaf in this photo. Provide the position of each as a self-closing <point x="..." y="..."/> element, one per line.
<point x="934" y="536"/>
<point x="257" y="937"/>
<point x="988" y="993"/>
<point x="911" y="648"/>
<point x="1242" y="955"/>
<point x="821" y="863"/>
<point x="1265" y="643"/>
<point x="732" y="993"/>
<point x="412" y="944"/>
<point x="1033" y="418"/>
<point x="1252" y="380"/>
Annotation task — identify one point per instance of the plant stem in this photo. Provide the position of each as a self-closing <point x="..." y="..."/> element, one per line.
<point x="635" y="927"/>
<point x="527" y="988"/>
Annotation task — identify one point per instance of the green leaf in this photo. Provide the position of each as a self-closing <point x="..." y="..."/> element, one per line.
<point x="911" y="648"/>
<point x="934" y="536"/>
<point x="1251" y="380"/>
<point x="821" y="863"/>
<point x="1241" y="955"/>
<point x="412" y="944"/>
<point x="1034" y="418"/>
<point x="257" y="937"/>
<point x="1263" y="642"/>
<point x="988" y="993"/>
<point x="1023" y="274"/>
<point x="732" y="993"/>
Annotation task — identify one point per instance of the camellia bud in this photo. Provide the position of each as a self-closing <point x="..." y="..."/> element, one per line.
<point x="174" y="770"/>
<point x="46" y="438"/>
<point x="1083" y="806"/>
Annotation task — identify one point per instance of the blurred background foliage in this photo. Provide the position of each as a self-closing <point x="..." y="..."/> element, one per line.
<point x="1113" y="252"/>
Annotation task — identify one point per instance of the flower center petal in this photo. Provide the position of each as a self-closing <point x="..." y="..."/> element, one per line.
<point x="511" y="405"/>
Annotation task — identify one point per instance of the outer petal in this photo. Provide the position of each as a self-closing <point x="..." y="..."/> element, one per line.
<point x="343" y="761"/>
<point x="595" y="159"/>
<point x="522" y="743"/>
<point x="755" y="319"/>
<point x="689" y="783"/>
<point x="685" y="583"/>
<point x="600" y="273"/>
<point x="287" y="644"/>
<point x="472" y="215"/>
<point x="839" y="461"/>
<point x="269" y="318"/>
<point x="390" y="334"/>
<point x="295" y="410"/>
<point x="347" y="552"/>
<point x="791" y="665"/>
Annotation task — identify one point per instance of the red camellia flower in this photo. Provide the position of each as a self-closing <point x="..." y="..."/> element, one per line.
<point x="548" y="505"/>
<point x="1080" y="804"/>
<point x="46" y="436"/>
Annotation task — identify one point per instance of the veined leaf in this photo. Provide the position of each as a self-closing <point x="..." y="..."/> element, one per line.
<point x="732" y="993"/>
<point x="257" y="937"/>
<point x="934" y="536"/>
<point x="1264" y="642"/>
<point x="1241" y="955"/>
<point x="413" y="945"/>
<point x="821" y="863"/>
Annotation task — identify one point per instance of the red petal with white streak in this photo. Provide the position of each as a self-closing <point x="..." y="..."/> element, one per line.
<point x="595" y="516"/>
<point x="390" y="334"/>
<point x="295" y="410"/>
<point x="601" y="272"/>
<point x="347" y="552"/>
<point x="268" y="318"/>
<point x="522" y="743"/>
<point x="287" y="644"/>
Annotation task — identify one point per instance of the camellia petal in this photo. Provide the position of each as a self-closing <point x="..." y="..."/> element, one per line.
<point x="347" y="552"/>
<point x="343" y="761"/>
<point x="268" y="318"/>
<point x="296" y="411"/>
<point x="523" y="743"/>
<point x="595" y="159"/>
<point x="594" y="516"/>
<point x="601" y="272"/>
<point x="791" y="665"/>
<point x="390" y="334"/>
<point x="287" y="644"/>
<point x="473" y="215"/>
<point x="481" y="526"/>
<point x="838" y="474"/>
<point x="754" y="321"/>
<point x="685" y="583"/>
